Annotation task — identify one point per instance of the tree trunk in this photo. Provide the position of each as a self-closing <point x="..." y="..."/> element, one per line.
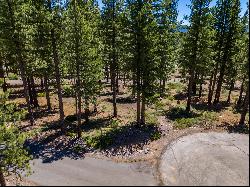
<point x="138" y="100"/>
<point x="2" y="75"/>
<point x="79" y="116"/>
<point x="87" y="112"/>
<point x="190" y="86"/>
<point x="245" y="107"/>
<point x="34" y="93"/>
<point x="194" y="85"/>
<point x="5" y="85"/>
<point x="117" y="82"/>
<point x="124" y="80"/>
<point x="212" y="84"/>
<point x="30" y="92"/>
<point x="230" y="91"/>
<point x="200" y="90"/>
<point x="2" y="179"/>
<point x="57" y="71"/>
<point x="133" y="86"/>
<point x="143" y="108"/>
<point x="219" y="85"/>
<point x="113" y="83"/>
<point x="79" y="104"/>
<point x="241" y="92"/>
<point x="46" y="86"/>
<point x="42" y="83"/>
<point x="58" y="76"/>
<point x="163" y="86"/>
<point x="107" y="73"/>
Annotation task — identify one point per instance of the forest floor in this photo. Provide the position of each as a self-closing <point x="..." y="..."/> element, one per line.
<point x="119" y="139"/>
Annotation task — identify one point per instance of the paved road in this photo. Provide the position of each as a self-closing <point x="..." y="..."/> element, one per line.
<point x="207" y="159"/>
<point x="90" y="171"/>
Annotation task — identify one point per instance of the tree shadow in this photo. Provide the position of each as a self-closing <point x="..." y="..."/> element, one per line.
<point x="123" y="100"/>
<point x="180" y="96"/>
<point x="73" y="117"/>
<point x="106" y="94"/>
<point x="96" y="124"/>
<point x="16" y="94"/>
<point x="235" y="128"/>
<point x="127" y="139"/>
<point x="41" y="112"/>
<point x="178" y="113"/>
<point x="54" y="145"/>
<point x="206" y="107"/>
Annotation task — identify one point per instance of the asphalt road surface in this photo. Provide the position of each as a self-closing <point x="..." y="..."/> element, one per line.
<point x="207" y="159"/>
<point x="90" y="171"/>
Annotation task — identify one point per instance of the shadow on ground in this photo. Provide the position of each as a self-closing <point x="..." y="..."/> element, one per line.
<point x="54" y="146"/>
<point x="235" y="128"/>
<point x="123" y="100"/>
<point x="206" y="107"/>
<point x="178" y="113"/>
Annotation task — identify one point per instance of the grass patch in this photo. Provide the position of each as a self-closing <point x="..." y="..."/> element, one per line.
<point x="151" y="118"/>
<point x="41" y="94"/>
<point x="12" y="76"/>
<point x="183" y="119"/>
<point x="155" y="136"/>
<point x="177" y="86"/>
<point x="67" y="91"/>
<point x="99" y="141"/>
<point x="78" y="149"/>
<point x="185" y="123"/>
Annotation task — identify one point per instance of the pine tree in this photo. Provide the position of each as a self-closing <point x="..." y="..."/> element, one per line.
<point x="166" y="15"/>
<point x="143" y="64"/>
<point x="111" y="30"/>
<point x="14" y="36"/>
<point x="55" y="33"/>
<point x="227" y="27"/>
<point x="42" y="63"/>
<point x="81" y="50"/>
<point x="14" y="159"/>
<point x="196" y="49"/>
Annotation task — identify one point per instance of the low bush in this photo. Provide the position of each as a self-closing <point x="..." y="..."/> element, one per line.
<point x="67" y="91"/>
<point x="41" y="94"/>
<point x="155" y="136"/>
<point x="99" y="141"/>
<point x="12" y="76"/>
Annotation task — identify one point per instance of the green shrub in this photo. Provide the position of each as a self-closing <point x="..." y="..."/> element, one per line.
<point x="71" y="134"/>
<point x="170" y="97"/>
<point x="155" y="136"/>
<point x="41" y="94"/>
<point x="67" y="91"/>
<point x="206" y="118"/>
<point x="114" y="123"/>
<point x="78" y="149"/>
<point x="185" y="123"/>
<point x="175" y="86"/>
<point x="209" y="116"/>
<point x="99" y="141"/>
<point x="12" y="76"/>
<point x="1" y="81"/>
<point x="151" y="118"/>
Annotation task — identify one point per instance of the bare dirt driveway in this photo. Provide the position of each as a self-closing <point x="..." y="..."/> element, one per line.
<point x="206" y="159"/>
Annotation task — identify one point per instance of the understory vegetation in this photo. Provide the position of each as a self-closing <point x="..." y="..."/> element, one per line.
<point x="78" y="77"/>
